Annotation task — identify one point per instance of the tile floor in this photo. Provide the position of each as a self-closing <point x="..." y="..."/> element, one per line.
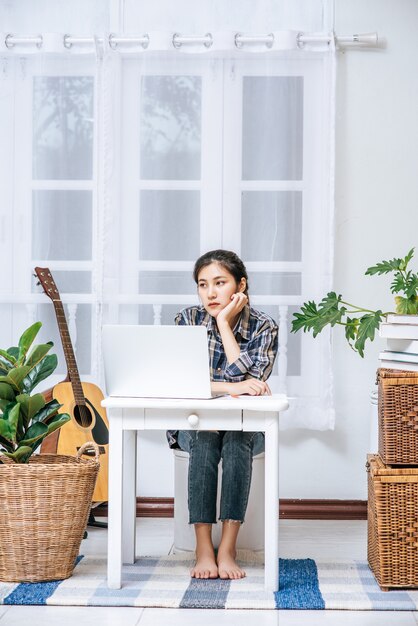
<point x="297" y="539"/>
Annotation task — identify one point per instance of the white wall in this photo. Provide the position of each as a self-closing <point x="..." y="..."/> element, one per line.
<point x="376" y="218"/>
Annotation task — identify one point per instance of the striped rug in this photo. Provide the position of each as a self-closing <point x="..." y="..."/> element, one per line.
<point x="165" y="582"/>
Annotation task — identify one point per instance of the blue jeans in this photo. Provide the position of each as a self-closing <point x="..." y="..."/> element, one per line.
<point x="206" y="449"/>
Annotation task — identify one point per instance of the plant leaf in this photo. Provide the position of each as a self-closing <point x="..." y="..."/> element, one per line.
<point x="47" y="411"/>
<point x="15" y="377"/>
<point x="6" y="392"/>
<point x="7" y="357"/>
<point x="26" y="340"/>
<point x="398" y="283"/>
<point x="3" y="404"/>
<point x="38" y="353"/>
<point x="7" y="445"/>
<point x="351" y="328"/>
<point x="406" y="260"/>
<point x="9" y="422"/>
<point x="14" y="352"/>
<point x="3" y="369"/>
<point x="406" y="306"/>
<point x="35" y="432"/>
<point x="384" y="267"/>
<point x="42" y="370"/>
<point x="5" y="432"/>
<point x="368" y="325"/>
<point x="59" y="420"/>
<point x="29" y="406"/>
<point x="412" y="286"/>
<point x="21" y="455"/>
<point x="315" y="318"/>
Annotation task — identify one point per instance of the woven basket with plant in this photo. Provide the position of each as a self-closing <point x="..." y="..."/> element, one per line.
<point x="45" y="498"/>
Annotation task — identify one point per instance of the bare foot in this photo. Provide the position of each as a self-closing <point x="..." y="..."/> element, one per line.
<point x="227" y="565"/>
<point x="205" y="565"/>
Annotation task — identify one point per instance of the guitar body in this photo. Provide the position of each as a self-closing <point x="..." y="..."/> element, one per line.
<point x="90" y="425"/>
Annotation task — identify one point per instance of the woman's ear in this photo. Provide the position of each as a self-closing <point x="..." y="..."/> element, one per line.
<point x="242" y="285"/>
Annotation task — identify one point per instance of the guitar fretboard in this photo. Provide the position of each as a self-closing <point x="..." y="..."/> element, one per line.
<point x="69" y="353"/>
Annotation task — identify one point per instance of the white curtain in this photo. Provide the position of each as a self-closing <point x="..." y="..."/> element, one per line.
<point x="123" y="164"/>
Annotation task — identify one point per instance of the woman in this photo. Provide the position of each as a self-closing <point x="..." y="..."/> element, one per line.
<point x="242" y="348"/>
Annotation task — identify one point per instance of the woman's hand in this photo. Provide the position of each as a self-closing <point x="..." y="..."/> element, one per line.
<point x="230" y="312"/>
<point x="250" y="386"/>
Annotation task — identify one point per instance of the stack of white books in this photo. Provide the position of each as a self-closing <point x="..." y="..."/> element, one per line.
<point x="401" y="332"/>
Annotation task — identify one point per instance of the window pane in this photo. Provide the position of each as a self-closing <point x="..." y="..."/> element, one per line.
<point x="62" y="225"/>
<point x="166" y="282"/>
<point x="68" y="282"/>
<point x="63" y="127"/>
<point x="168" y="313"/>
<point x="274" y="283"/>
<point x="169" y="225"/>
<point x="272" y="142"/>
<point x="170" y="127"/>
<point x="271" y="226"/>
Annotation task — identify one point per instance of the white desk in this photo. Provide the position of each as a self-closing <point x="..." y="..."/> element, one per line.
<point x="129" y="415"/>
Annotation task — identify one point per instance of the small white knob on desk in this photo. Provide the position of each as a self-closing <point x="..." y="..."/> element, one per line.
<point x="193" y="419"/>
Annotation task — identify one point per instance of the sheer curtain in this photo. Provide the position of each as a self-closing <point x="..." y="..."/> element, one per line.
<point x="124" y="163"/>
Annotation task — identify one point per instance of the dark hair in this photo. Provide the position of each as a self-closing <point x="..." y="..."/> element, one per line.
<point x="229" y="261"/>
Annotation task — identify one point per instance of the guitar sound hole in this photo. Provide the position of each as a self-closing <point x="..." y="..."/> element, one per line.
<point x="82" y="415"/>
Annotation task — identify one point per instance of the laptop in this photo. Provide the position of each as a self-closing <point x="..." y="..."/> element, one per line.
<point x="156" y="361"/>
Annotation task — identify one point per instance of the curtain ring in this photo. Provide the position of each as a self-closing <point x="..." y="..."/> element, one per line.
<point x="208" y="44"/>
<point x="269" y="44"/>
<point x="7" y="43"/>
<point x="67" y="44"/>
<point x="300" y="44"/>
<point x="238" y="44"/>
<point x="40" y="43"/>
<point x="176" y="44"/>
<point x="112" y="44"/>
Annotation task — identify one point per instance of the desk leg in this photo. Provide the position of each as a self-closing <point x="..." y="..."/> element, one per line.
<point x="271" y="532"/>
<point x="114" y="537"/>
<point x="129" y="496"/>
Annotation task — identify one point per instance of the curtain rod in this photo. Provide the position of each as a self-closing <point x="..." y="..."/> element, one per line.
<point x="178" y="40"/>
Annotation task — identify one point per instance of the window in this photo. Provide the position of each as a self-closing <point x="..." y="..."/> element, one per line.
<point x="131" y="177"/>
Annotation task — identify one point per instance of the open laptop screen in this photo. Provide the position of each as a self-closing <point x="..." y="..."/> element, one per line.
<point x="156" y="361"/>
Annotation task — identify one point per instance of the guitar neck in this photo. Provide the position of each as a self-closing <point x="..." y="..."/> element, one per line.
<point x="69" y="353"/>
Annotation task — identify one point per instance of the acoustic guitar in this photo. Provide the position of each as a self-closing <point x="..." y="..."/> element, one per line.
<point x="80" y="400"/>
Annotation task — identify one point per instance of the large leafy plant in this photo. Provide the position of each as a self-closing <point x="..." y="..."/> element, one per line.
<point x="25" y="419"/>
<point x="361" y="324"/>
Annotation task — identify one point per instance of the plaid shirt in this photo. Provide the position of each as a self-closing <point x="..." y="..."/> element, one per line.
<point x="257" y="336"/>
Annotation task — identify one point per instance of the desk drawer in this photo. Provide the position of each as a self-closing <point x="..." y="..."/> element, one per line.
<point x="200" y="419"/>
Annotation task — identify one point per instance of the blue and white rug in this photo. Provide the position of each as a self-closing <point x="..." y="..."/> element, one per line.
<point x="165" y="582"/>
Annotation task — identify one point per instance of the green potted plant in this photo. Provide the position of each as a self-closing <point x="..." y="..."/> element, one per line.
<point x="26" y="418"/>
<point x="45" y="498"/>
<point x="361" y="324"/>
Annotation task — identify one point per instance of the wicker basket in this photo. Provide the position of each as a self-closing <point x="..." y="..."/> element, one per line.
<point x="398" y="416"/>
<point x="392" y="524"/>
<point x="44" y="510"/>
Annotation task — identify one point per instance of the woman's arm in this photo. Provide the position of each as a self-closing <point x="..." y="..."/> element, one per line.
<point x="249" y="386"/>
<point x="225" y="321"/>
<point x="257" y="356"/>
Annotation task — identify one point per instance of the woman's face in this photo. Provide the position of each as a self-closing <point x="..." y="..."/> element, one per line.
<point x="215" y="286"/>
